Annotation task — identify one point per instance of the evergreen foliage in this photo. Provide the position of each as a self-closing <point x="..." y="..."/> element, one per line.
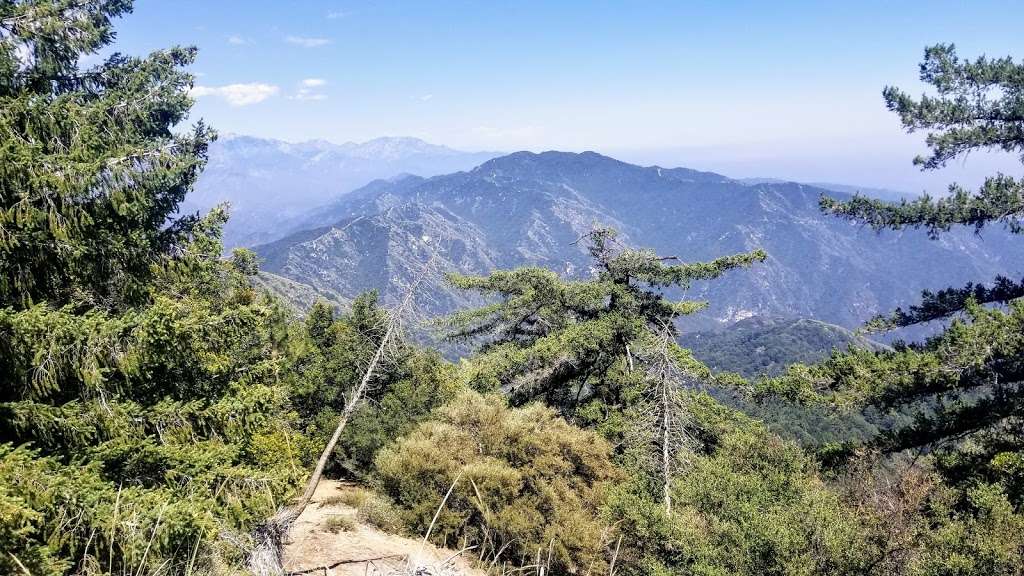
<point x="421" y="383"/>
<point x="144" y="412"/>
<point x="965" y="384"/>
<point x="748" y="504"/>
<point x="155" y="405"/>
<point x="91" y="173"/>
<point x="602" y="351"/>
<point x="405" y="390"/>
<point x="151" y="430"/>
<point x="948" y="302"/>
<point x="571" y="343"/>
<point x="708" y="492"/>
<point x="977" y="106"/>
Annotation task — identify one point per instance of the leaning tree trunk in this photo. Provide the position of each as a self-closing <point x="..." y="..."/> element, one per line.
<point x="265" y="557"/>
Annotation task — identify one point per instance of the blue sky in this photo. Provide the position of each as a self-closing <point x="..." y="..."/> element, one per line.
<point x="786" y="89"/>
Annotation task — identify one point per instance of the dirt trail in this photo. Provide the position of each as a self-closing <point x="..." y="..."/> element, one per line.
<point x="359" y="549"/>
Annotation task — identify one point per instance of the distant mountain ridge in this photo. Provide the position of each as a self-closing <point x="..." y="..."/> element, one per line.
<point x="879" y="193"/>
<point x="268" y="182"/>
<point x="529" y="209"/>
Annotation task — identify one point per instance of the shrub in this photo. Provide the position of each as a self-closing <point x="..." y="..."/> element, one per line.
<point x="379" y="512"/>
<point x="340" y="523"/>
<point x="524" y="480"/>
<point x="747" y="502"/>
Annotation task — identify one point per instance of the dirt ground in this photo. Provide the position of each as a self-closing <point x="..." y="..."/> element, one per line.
<point x="360" y="549"/>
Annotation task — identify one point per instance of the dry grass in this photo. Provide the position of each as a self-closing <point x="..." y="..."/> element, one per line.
<point x="340" y="523"/>
<point x="333" y="501"/>
<point x="348" y="495"/>
<point x="371" y="508"/>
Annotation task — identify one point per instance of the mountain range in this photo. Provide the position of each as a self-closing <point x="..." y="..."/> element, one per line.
<point x="530" y="209"/>
<point x="270" y="182"/>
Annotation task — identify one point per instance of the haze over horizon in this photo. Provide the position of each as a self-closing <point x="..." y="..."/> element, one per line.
<point x="662" y="84"/>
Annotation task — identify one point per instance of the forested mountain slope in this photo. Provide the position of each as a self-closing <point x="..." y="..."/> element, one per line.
<point x="763" y="345"/>
<point x="529" y="209"/>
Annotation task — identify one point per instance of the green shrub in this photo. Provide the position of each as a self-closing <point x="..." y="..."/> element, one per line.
<point x="748" y="503"/>
<point x="980" y="536"/>
<point x="524" y="480"/>
<point x="381" y="513"/>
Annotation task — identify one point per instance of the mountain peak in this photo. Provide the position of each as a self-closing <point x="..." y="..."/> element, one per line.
<point x="269" y="182"/>
<point x="551" y="163"/>
<point x="550" y="159"/>
<point x="530" y="209"/>
<point x="395" y="147"/>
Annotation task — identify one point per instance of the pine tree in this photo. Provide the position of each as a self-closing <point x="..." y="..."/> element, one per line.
<point x="978" y="105"/>
<point x="144" y="410"/>
<point x="91" y="173"/>
<point x="602" y="350"/>
<point x="570" y="342"/>
<point x="319" y="320"/>
<point x="964" y="385"/>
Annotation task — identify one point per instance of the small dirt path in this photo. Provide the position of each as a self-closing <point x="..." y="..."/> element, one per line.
<point x="358" y="549"/>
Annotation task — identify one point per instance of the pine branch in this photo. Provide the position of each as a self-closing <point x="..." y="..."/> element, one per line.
<point x="952" y="423"/>
<point x="1000" y="199"/>
<point x="945" y="303"/>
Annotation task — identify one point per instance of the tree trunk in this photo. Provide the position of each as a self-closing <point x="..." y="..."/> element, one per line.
<point x="666" y="456"/>
<point x="293" y="512"/>
<point x="265" y="557"/>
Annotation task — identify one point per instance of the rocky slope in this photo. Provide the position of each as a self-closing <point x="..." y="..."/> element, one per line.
<point x="270" y="182"/>
<point x="529" y="209"/>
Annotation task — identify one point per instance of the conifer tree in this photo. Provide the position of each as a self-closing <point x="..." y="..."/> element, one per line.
<point x="144" y="416"/>
<point x="977" y="105"/>
<point x="965" y="385"/>
<point x="91" y="173"/>
<point x="572" y="342"/>
<point x="601" y="350"/>
<point x="319" y="321"/>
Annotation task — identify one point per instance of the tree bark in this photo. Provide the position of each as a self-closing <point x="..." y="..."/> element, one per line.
<point x="666" y="456"/>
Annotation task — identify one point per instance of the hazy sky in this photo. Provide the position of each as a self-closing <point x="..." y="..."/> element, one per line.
<point x="784" y="89"/>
